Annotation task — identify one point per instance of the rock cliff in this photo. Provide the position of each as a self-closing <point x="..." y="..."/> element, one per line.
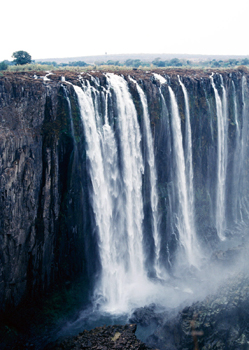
<point x="47" y="224"/>
<point x="42" y="240"/>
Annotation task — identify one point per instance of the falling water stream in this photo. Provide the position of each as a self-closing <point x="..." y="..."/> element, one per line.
<point x="117" y="128"/>
<point x="152" y="180"/>
<point x="188" y="158"/>
<point x="221" y="110"/>
<point x="184" y="178"/>
<point x="237" y="161"/>
<point x="116" y="177"/>
<point x="185" y="216"/>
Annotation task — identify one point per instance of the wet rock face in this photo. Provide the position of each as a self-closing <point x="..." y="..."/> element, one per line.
<point x="103" y="338"/>
<point x="22" y="115"/>
<point x="146" y="316"/>
<point x="219" y="322"/>
<point x="36" y="188"/>
<point x="46" y="220"/>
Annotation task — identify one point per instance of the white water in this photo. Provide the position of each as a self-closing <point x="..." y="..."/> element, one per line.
<point x="117" y="202"/>
<point x="116" y="169"/>
<point x="132" y="170"/>
<point x="70" y="110"/>
<point x="184" y="216"/>
<point x="152" y="179"/>
<point x="237" y="160"/>
<point x="221" y="110"/>
<point x="244" y="205"/>
<point x="244" y="120"/>
<point x="102" y="197"/>
<point x="115" y="166"/>
<point x="183" y="185"/>
<point x="171" y="188"/>
<point x="188" y="158"/>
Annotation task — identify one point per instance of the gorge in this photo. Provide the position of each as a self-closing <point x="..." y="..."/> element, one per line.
<point x="133" y="181"/>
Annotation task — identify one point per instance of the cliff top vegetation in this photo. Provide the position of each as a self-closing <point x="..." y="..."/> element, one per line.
<point x="72" y="74"/>
<point x="22" y="62"/>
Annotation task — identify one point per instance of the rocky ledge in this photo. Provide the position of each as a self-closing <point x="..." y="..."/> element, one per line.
<point x="219" y="322"/>
<point x="103" y="338"/>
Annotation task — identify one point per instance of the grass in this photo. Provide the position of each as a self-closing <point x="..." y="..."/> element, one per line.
<point x="108" y="68"/>
<point x="30" y="67"/>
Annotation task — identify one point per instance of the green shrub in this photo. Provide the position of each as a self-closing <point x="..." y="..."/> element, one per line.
<point x="3" y="65"/>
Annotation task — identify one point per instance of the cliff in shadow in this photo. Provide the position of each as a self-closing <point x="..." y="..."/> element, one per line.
<point x="48" y="231"/>
<point x="44" y="221"/>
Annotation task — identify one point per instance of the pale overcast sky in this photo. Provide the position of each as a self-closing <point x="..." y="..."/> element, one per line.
<point x="53" y="29"/>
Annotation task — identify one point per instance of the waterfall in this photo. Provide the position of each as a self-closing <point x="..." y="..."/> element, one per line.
<point x="236" y="160"/>
<point x="244" y="205"/>
<point x="132" y="170"/>
<point x="152" y="178"/>
<point x="244" y="120"/>
<point x="188" y="158"/>
<point x="221" y="111"/>
<point x="102" y="171"/>
<point x="116" y="169"/>
<point x="170" y="201"/>
<point x="184" y="216"/>
<point x="182" y="180"/>
<point x="69" y="109"/>
<point x="124" y="183"/>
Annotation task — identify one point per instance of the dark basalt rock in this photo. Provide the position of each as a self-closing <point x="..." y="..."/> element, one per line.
<point x="103" y="338"/>
<point x="47" y="230"/>
<point x="220" y="321"/>
<point x="147" y="315"/>
<point x="229" y="256"/>
<point x="42" y="187"/>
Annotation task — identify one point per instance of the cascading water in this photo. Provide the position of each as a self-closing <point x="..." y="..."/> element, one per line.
<point x="135" y="177"/>
<point x="102" y="197"/>
<point x="112" y="191"/>
<point x="244" y="205"/>
<point x="184" y="216"/>
<point x="236" y="160"/>
<point x="188" y="157"/>
<point x="152" y="180"/>
<point x="70" y="110"/>
<point x="184" y="178"/>
<point x="221" y="110"/>
<point x="107" y="203"/>
<point x="116" y="169"/>
<point x="171" y="198"/>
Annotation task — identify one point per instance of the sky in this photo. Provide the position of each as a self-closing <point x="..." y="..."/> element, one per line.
<point x="57" y="29"/>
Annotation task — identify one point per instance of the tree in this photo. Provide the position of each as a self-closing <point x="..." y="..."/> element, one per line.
<point x="245" y="61"/>
<point x="21" y="57"/>
<point x="215" y="63"/>
<point x="112" y="63"/>
<point x="129" y="62"/>
<point x="158" y="63"/>
<point x="78" y="64"/>
<point x="175" y="62"/>
<point x="3" y="65"/>
<point x="133" y="63"/>
<point x="233" y="62"/>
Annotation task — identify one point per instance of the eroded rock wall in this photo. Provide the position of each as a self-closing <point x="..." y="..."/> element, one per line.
<point x="41" y="242"/>
<point x="47" y="226"/>
<point x="22" y="116"/>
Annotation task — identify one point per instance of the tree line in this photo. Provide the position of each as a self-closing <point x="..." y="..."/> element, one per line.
<point x="23" y="57"/>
